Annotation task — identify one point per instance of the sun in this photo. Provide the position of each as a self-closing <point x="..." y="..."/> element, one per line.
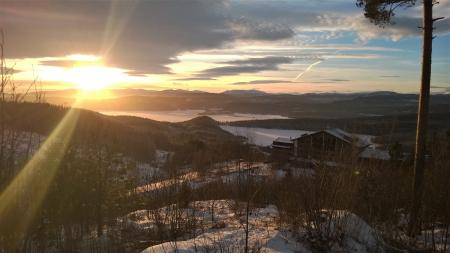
<point x="91" y="77"/>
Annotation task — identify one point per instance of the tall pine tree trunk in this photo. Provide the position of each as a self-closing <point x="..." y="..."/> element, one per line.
<point x="422" y="118"/>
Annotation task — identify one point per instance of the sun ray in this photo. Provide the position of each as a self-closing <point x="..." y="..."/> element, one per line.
<point x="118" y="17"/>
<point x="23" y="197"/>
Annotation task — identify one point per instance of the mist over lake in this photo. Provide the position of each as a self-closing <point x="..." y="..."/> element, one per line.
<point x="184" y="115"/>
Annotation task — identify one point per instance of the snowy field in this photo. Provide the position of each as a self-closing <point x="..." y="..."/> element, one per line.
<point x="183" y="115"/>
<point x="220" y="228"/>
<point x="263" y="136"/>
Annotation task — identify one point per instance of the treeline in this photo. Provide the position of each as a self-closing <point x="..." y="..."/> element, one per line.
<point x="132" y="136"/>
<point x="91" y="128"/>
<point x="69" y="189"/>
<point x="393" y="128"/>
<point x="315" y="204"/>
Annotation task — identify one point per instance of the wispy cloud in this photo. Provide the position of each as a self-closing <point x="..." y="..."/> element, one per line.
<point x="250" y="65"/>
<point x="390" y="76"/>
<point x="440" y="87"/>
<point x="269" y="81"/>
<point x="337" y="80"/>
<point x="226" y="38"/>
<point x="194" y="79"/>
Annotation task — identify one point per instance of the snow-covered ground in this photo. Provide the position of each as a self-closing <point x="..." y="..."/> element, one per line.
<point x="263" y="136"/>
<point x="221" y="228"/>
<point x="183" y="115"/>
<point x="225" y="172"/>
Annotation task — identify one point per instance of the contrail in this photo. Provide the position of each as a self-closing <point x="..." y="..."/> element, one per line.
<point x="307" y="69"/>
<point x="314" y="64"/>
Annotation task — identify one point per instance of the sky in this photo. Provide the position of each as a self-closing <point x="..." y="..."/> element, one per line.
<point x="281" y="46"/>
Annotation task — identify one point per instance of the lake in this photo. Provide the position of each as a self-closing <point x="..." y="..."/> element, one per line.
<point x="184" y="115"/>
<point x="263" y="136"/>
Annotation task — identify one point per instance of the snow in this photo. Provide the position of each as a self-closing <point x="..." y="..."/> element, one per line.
<point x="226" y="172"/>
<point x="146" y="172"/>
<point x="372" y="153"/>
<point x="284" y="140"/>
<point x="358" y="235"/>
<point x="341" y="134"/>
<point x="362" y="140"/>
<point x="225" y="231"/>
<point x="188" y="177"/>
<point x="264" y="232"/>
<point x="365" y="140"/>
<point x="263" y="136"/>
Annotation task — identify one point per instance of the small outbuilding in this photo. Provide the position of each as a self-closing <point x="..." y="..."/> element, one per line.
<point x="283" y="144"/>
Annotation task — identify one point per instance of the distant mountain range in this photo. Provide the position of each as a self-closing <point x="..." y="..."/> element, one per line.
<point x="245" y="93"/>
<point x="310" y="105"/>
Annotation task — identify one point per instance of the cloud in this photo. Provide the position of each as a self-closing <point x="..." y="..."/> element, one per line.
<point x="269" y="81"/>
<point x="194" y="79"/>
<point x="58" y="63"/>
<point x="390" y="76"/>
<point x="250" y="65"/>
<point x="402" y="27"/>
<point x="249" y="29"/>
<point x="337" y="80"/>
<point x="440" y="87"/>
<point x="331" y="18"/>
<point x="144" y="36"/>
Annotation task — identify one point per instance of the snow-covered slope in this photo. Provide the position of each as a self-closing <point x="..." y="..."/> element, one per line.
<point x="221" y="228"/>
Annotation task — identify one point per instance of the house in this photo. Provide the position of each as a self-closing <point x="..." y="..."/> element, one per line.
<point x="336" y="143"/>
<point x="326" y="143"/>
<point x="285" y="145"/>
<point x="329" y="145"/>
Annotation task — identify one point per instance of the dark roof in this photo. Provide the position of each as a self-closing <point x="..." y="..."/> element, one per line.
<point x="342" y="135"/>
<point x="283" y="143"/>
<point x="284" y="140"/>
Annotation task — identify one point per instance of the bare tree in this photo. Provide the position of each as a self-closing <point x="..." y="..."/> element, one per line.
<point x="381" y="12"/>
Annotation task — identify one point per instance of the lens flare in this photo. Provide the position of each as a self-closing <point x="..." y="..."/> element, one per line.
<point x="92" y="78"/>
<point x="23" y="197"/>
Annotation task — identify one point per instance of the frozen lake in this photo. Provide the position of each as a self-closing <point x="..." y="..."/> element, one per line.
<point x="183" y="115"/>
<point x="263" y="136"/>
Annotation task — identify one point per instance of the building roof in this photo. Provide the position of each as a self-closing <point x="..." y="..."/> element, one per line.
<point x="284" y="140"/>
<point x="357" y="139"/>
<point x="283" y="143"/>
<point x="341" y="134"/>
